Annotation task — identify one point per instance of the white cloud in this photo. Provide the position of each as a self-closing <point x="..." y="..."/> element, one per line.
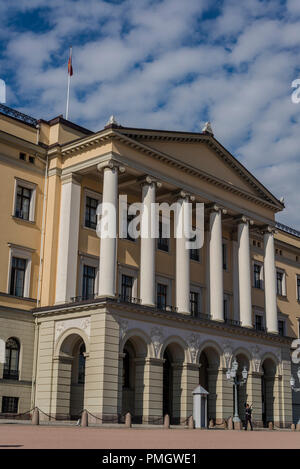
<point x="155" y="63"/>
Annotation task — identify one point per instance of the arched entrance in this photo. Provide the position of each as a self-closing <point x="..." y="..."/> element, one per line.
<point x="267" y="390"/>
<point x="133" y="371"/>
<point x="71" y="378"/>
<point x="172" y="387"/>
<point x="243" y="362"/>
<point x="209" y="362"/>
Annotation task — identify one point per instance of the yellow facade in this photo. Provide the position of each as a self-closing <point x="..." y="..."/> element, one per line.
<point x="195" y="163"/>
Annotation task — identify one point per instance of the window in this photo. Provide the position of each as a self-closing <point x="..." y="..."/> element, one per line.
<point x="162" y="291"/>
<point x="257" y="275"/>
<point x="91" y="205"/>
<point x="162" y="243"/>
<point x="224" y="253"/>
<point x="298" y="288"/>
<point x="22" y="156"/>
<point x="81" y="364"/>
<point x="23" y="203"/>
<point x="281" y="327"/>
<point x="259" y="324"/>
<point x="12" y="355"/>
<point x="17" y="276"/>
<point x="279" y="283"/>
<point x="31" y="159"/>
<point x="194" y="303"/>
<point x="88" y="284"/>
<point x="10" y="405"/>
<point x="126" y="287"/>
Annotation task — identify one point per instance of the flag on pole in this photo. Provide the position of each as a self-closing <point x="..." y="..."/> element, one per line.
<point x="70" y="68"/>
<point x="70" y="73"/>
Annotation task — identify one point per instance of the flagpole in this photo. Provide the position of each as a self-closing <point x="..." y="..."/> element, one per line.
<point x="68" y="89"/>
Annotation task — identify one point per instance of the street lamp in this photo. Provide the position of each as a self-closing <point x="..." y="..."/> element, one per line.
<point x="231" y="375"/>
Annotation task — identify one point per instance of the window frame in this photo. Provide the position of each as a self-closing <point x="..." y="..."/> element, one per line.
<point x="283" y="282"/>
<point x="92" y="195"/>
<point x="21" y="253"/>
<point x="298" y="287"/>
<point x="261" y="276"/>
<point x="168" y="283"/>
<point x="16" y="399"/>
<point x="129" y="272"/>
<point x="225" y="256"/>
<point x="26" y="185"/>
<point x="8" y="373"/>
<point x="158" y="247"/>
<point x="91" y="261"/>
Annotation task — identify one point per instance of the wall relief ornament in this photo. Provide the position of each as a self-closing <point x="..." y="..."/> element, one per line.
<point x="157" y="338"/>
<point x="123" y="328"/>
<point x="80" y="323"/>
<point x="227" y="351"/>
<point x="256" y="358"/>
<point x="193" y="341"/>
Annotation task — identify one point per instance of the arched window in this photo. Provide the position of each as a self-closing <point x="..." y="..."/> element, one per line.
<point x="12" y="355"/>
<point x="81" y="364"/>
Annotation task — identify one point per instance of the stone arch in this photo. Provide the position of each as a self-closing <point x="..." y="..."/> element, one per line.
<point x="179" y="347"/>
<point x="210" y="360"/>
<point x="69" y="335"/>
<point x="174" y="354"/>
<point x="140" y="338"/>
<point x="134" y="351"/>
<point x="71" y="351"/>
<point x="244" y="360"/>
<point x="269" y="396"/>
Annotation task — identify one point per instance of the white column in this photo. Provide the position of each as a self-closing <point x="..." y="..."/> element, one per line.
<point x="182" y="260"/>
<point x="235" y="281"/>
<point x="216" y="265"/>
<point x="270" y="282"/>
<point x="108" y="245"/>
<point x="147" y="265"/>
<point x="244" y="273"/>
<point x="66" y="273"/>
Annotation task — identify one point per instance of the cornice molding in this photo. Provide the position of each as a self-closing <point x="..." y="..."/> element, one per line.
<point x="110" y="134"/>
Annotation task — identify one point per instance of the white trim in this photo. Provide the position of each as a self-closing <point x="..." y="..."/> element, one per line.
<point x="261" y="274"/>
<point x="28" y="185"/>
<point x="164" y="281"/>
<point x="130" y="273"/>
<point x="93" y="195"/>
<point x="91" y="261"/>
<point x="196" y="289"/>
<point x="22" y="253"/>
<point x="278" y="269"/>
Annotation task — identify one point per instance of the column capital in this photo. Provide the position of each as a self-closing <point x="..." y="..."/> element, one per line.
<point x="213" y="207"/>
<point x="268" y="229"/>
<point x="243" y="219"/>
<point x="182" y="194"/>
<point x="111" y="164"/>
<point x="149" y="180"/>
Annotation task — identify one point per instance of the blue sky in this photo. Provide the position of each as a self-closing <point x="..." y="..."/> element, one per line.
<point x="168" y="64"/>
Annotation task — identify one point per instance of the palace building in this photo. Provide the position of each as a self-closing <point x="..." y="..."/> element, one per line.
<point x="135" y="325"/>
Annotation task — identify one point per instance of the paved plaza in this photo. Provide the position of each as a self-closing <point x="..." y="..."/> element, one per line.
<point x="61" y="437"/>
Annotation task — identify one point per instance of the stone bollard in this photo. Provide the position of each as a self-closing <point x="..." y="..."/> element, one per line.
<point x="237" y="425"/>
<point x="270" y="426"/>
<point x="191" y="422"/>
<point x="128" y="420"/>
<point x="211" y="424"/>
<point x="293" y="427"/>
<point x="84" y="419"/>
<point x="298" y="427"/>
<point x="230" y="423"/>
<point x="166" y="421"/>
<point x="35" y="420"/>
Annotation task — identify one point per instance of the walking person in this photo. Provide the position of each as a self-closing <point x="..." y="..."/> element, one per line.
<point x="248" y="412"/>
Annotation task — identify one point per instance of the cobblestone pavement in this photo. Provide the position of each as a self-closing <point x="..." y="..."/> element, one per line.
<point x="60" y="437"/>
